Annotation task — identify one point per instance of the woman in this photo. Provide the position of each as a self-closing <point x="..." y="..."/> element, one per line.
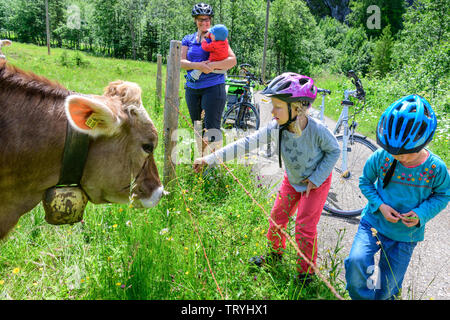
<point x="208" y="92"/>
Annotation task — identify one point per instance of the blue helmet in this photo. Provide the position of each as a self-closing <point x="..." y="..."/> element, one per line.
<point x="407" y="125"/>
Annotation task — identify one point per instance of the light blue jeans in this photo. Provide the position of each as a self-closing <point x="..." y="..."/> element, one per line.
<point x="360" y="265"/>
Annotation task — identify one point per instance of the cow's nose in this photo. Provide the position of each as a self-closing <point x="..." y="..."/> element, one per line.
<point x="154" y="199"/>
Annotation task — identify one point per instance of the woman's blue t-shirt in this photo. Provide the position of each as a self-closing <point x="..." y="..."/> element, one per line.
<point x="197" y="54"/>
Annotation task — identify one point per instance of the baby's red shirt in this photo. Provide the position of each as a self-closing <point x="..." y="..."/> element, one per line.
<point x="218" y="50"/>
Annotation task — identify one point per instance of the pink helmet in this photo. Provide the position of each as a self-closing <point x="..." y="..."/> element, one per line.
<point x="291" y="87"/>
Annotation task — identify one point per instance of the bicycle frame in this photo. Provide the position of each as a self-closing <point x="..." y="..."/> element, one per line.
<point x="343" y="121"/>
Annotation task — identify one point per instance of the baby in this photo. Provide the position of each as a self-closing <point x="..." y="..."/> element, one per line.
<point x="217" y="48"/>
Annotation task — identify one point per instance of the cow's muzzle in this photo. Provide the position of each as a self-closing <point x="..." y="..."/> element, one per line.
<point x="148" y="202"/>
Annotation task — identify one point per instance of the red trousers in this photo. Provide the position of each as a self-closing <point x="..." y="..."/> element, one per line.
<point x="308" y="210"/>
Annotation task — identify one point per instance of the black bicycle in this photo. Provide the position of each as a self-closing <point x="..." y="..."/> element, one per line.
<point x="240" y="111"/>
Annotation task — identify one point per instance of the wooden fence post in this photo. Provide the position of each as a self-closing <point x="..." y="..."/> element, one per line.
<point x="198" y="136"/>
<point x="171" y="107"/>
<point x="158" y="80"/>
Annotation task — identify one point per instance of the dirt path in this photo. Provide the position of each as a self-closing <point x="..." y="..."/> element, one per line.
<point x="428" y="275"/>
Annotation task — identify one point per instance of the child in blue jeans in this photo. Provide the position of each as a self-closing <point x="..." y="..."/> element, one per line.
<point x="406" y="186"/>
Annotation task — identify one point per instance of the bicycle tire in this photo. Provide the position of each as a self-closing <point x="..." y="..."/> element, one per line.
<point x="250" y="118"/>
<point x="345" y="198"/>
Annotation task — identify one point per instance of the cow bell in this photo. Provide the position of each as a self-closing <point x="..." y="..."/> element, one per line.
<point x="64" y="205"/>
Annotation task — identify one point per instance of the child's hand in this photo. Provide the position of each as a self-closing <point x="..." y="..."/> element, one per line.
<point x="410" y="219"/>
<point x="309" y="187"/>
<point x="199" y="164"/>
<point x="390" y="214"/>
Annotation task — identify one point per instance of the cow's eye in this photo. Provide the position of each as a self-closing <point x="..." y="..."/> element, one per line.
<point x="148" y="148"/>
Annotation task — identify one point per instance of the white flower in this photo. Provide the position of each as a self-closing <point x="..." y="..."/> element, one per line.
<point x="164" y="231"/>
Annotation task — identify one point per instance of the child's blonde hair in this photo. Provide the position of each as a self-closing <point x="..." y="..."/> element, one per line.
<point x="302" y="108"/>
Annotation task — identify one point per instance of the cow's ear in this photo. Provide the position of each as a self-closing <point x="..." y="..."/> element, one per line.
<point x="90" y="116"/>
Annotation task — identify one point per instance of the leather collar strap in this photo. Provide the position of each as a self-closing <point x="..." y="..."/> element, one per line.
<point x="76" y="149"/>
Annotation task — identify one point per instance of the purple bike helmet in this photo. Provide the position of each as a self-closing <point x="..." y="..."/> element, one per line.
<point x="292" y="87"/>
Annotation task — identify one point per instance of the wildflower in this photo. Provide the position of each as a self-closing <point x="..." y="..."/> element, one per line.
<point x="164" y="231"/>
<point x="2" y="282"/>
<point x="120" y="209"/>
<point x="118" y="284"/>
<point x="186" y="248"/>
<point x="186" y="273"/>
<point x="114" y="225"/>
<point x="190" y="199"/>
<point x="378" y="243"/>
<point x="374" y="232"/>
<point x="122" y="286"/>
<point x="16" y="270"/>
<point x="188" y="210"/>
<point x="128" y="223"/>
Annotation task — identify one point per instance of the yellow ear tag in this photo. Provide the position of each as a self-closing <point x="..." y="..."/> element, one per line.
<point x="91" y="122"/>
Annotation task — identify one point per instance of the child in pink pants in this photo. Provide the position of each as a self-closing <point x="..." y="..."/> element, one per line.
<point x="308" y="210"/>
<point x="309" y="152"/>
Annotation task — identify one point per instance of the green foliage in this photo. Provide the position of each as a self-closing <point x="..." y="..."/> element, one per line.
<point x="381" y="63"/>
<point x="355" y="52"/>
<point x="391" y="12"/>
<point x="293" y="30"/>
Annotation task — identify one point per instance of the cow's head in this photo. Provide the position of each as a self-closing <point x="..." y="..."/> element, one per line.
<point x="120" y="161"/>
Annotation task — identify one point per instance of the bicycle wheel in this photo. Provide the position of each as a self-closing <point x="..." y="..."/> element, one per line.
<point x="242" y="116"/>
<point x="345" y="197"/>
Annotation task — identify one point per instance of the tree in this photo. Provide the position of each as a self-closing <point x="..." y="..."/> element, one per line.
<point x="381" y="62"/>
<point x="292" y="30"/>
<point x="391" y="12"/>
<point x="421" y="55"/>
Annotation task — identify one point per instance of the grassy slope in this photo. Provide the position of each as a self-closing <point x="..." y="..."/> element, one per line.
<point x="123" y="253"/>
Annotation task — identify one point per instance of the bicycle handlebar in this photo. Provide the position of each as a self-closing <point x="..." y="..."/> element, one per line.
<point x="248" y="74"/>
<point x="360" y="93"/>
<point x="324" y="91"/>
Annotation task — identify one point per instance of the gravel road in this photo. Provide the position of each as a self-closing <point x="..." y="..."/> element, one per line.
<point x="428" y="275"/>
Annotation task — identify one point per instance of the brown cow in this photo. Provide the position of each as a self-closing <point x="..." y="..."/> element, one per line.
<point x="33" y="118"/>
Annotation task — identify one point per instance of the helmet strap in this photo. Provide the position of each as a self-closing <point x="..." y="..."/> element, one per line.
<point x="282" y="128"/>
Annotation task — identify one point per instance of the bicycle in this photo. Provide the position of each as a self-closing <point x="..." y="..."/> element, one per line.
<point x="241" y="112"/>
<point x="345" y="197"/>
